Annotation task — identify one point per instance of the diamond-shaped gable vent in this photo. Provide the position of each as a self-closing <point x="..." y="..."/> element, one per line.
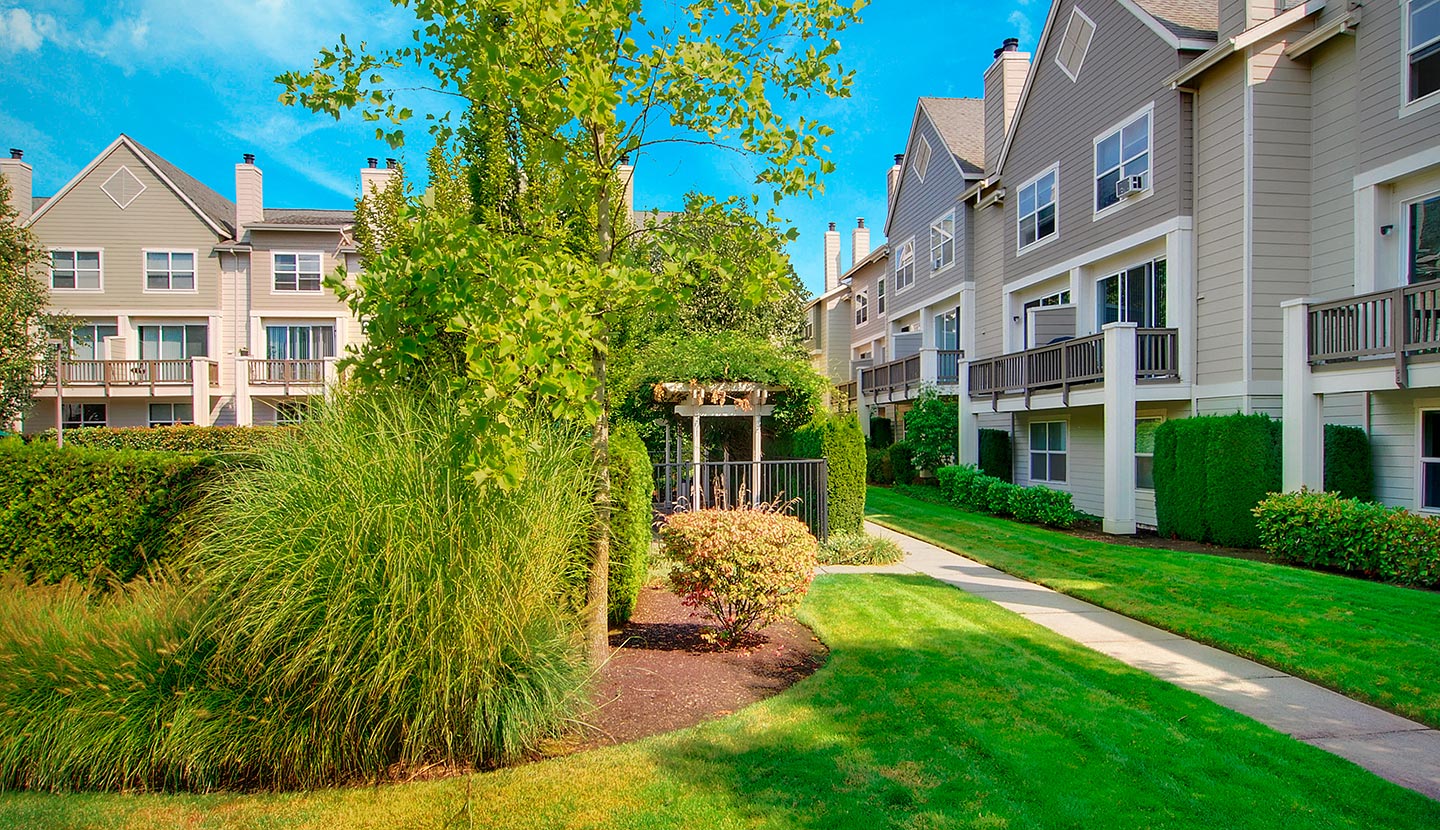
<point x="122" y="187"/>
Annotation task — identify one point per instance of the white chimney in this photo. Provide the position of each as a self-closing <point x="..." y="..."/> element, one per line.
<point x="892" y="177"/>
<point x="832" y="258"/>
<point x="249" y="195"/>
<point x="20" y="177"/>
<point x="1003" y="82"/>
<point x="859" y="242"/>
<point x="374" y="178"/>
<point x="626" y="173"/>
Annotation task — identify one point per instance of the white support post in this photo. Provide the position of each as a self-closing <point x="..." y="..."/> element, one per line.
<point x="695" y="459"/>
<point x="244" y="408"/>
<point x="862" y="407"/>
<point x="1302" y="420"/>
<point x="1119" y="428"/>
<point x="929" y="364"/>
<point x="969" y="428"/>
<point x="200" y="390"/>
<point x="755" y="450"/>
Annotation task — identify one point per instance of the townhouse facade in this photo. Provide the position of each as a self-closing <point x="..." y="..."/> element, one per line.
<point x="190" y="308"/>
<point x="1177" y="208"/>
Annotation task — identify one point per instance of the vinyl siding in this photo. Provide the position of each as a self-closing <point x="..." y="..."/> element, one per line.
<point x="863" y="282"/>
<point x="264" y="298"/>
<point x="1332" y="169"/>
<point x="1346" y="409"/>
<point x="1394" y="434"/>
<point x="1220" y="223"/>
<point x="131" y="412"/>
<point x="1227" y="405"/>
<point x="1384" y="135"/>
<point x="918" y="204"/>
<point x="1085" y="455"/>
<point x="1061" y="119"/>
<point x="988" y="251"/>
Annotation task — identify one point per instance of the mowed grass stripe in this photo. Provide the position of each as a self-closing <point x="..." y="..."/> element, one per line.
<point x="936" y="709"/>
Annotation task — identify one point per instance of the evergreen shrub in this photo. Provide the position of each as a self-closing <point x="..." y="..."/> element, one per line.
<point x="1348" y="468"/>
<point x="877" y="466"/>
<point x="882" y="432"/>
<point x="996" y="455"/>
<point x="902" y="463"/>
<point x="969" y="489"/>
<point x="837" y="439"/>
<point x="1325" y="530"/>
<point x="191" y="439"/>
<point x="632" y="511"/>
<point x="1211" y="471"/>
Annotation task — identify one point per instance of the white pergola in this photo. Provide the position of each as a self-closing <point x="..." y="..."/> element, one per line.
<point x="719" y="399"/>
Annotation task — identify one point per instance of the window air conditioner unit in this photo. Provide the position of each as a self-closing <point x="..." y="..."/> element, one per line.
<point x="1129" y="185"/>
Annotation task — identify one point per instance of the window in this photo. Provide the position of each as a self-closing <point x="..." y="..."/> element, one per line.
<point x="177" y="342"/>
<point x="1425" y="239"/>
<point x="1422" y="55"/>
<point x="947" y="333"/>
<point x="942" y="242"/>
<point x="171" y="414"/>
<point x="290" y="412"/>
<point x="1145" y="452"/>
<point x="922" y="158"/>
<point x="880" y="295"/>
<point x="1059" y="298"/>
<point x="905" y="265"/>
<point x="1076" y="42"/>
<point x="1430" y="460"/>
<point x="862" y="309"/>
<point x="87" y="342"/>
<point x="297" y="272"/>
<point x="1136" y="295"/>
<point x="76" y="415"/>
<point x="1036" y="216"/>
<point x="810" y="328"/>
<point x="1047" y="451"/>
<point x="169" y="271"/>
<point x="78" y="270"/>
<point x="1123" y="153"/>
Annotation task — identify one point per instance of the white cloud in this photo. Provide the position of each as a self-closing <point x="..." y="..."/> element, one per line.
<point x="1021" y="24"/>
<point x="21" y="31"/>
<point x="279" y="136"/>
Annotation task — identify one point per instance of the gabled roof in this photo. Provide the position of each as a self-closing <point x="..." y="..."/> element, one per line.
<point x="961" y="124"/>
<point x="1198" y="19"/>
<point x="306" y="216"/>
<point x="213" y="209"/>
<point x="37" y="202"/>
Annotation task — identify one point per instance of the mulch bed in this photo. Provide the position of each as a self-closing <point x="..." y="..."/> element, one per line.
<point x="664" y="675"/>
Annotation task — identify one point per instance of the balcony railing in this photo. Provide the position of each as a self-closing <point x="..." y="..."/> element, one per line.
<point x="907" y="373"/>
<point x="1398" y="324"/>
<point x="287" y="372"/>
<point x="848" y="395"/>
<point x="122" y="373"/>
<point x="1073" y="363"/>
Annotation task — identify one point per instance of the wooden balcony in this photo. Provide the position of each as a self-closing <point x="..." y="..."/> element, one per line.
<point x="1400" y="325"/>
<point x="288" y="372"/>
<point x="1073" y="363"/>
<point x="907" y="375"/>
<point x="116" y="374"/>
<point x="848" y="394"/>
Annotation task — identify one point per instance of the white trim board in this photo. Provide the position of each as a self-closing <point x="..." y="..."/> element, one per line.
<point x="1177" y="223"/>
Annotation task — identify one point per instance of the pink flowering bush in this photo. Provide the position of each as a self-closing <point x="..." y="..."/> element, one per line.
<point x="745" y="568"/>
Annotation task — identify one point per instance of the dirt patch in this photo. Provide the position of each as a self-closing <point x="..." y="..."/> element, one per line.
<point x="664" y="675"/>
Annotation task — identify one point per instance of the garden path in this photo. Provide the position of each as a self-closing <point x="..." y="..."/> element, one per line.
<point x="1397" y="749"/>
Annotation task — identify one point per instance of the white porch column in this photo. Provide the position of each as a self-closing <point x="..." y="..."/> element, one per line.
<point x="200" y="390"/>
<point x="862" y="407"/>
<point x="969" y="451"/>
<point x="1119" y="428"/>
<point x="757" y="399"/>
<point x="695" y="457"/>
<point x="929" y="364"/>
<point x="244" y="408"/>
<point x="1302" y="421"/>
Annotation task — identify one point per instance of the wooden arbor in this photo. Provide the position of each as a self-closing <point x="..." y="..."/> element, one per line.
<point x="723" y="399"/>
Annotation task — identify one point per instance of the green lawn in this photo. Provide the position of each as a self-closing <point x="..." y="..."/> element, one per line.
<point x="936" y="709"/>
<point x="1370" y="641"/>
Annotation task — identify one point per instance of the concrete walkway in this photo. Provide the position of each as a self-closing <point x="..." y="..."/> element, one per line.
<point x="1392" y="747"/>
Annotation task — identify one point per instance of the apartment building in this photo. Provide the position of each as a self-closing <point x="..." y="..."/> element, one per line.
<point x="833" y="315"/>
<point x="192" y="308"/>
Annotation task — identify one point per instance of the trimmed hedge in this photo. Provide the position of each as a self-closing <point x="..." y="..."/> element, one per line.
<point x="89" y="513"/>
<point x="882" y="433"/>
<point x="1325" y="530"/>
<point x="632" y="511"/>
<point x="1210" y="472"/>
<point x="189" y="439"/>
<point x="1348" y="469"/>
<point x="902" y="463"/>
<point x="997" y="459"/>
<point x="877" y="466"/>
<point x="970" y="489"/>
<point x="837" y="439"/>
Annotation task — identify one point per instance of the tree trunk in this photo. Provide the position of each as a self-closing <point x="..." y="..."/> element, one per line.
<point x="597" y="593"/>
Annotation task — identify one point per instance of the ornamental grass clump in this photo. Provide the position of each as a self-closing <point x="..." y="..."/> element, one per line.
<point x="745" y="567"/>
<point x="859" y="549"/>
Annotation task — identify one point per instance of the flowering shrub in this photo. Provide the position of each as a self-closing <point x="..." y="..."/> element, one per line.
<point x="1324" y="530"/>
<point x="745" y="568"/>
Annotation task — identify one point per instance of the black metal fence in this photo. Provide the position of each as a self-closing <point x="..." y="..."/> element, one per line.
<point x="798" y="484"/>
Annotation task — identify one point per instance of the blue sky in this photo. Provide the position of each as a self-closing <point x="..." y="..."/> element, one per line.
<point x="193" y="81"/>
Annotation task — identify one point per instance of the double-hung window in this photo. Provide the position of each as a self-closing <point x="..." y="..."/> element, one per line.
<point x="1145" y="452"/>
<point x="1036" y="216"/>
<point x="1430" y="460"/>
<point x="171" y="414"/>
<point x="942" y="242"/>
<point x="297" y="272"/>
<point x="880" y="295"/>
<point x="1048" y="451"/>
<point x="1424" y="239"/>
<point x="1422" y="49"/>
<point x="169" y="271"/>
<point x="905" y="265"/>
<point x="76" y="415"/>
<point x="75" y="270"/>
<point x="1120" y="155"/>
<point x="1135" y="295"/>
<point x="862" y="309"/>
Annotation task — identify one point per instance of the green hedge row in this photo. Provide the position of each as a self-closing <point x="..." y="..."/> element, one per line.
<point x="1325" y="530"/>
<point x="632" y="513"/>
<point x="902" y="463"/>
<point x="996" y="455"/>
<point x="837" y="439"/>
<point x="882" y="433"/>
<point x="969" y="488"/>
<point x="1210" y="472"/>
<point x="1349" y="470"/>
<point x="877" y="466"/>
<point x="87" y="512"/>
<point x="189" y="439"/>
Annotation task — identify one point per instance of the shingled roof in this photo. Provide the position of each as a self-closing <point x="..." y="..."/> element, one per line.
<point x="961" y="124"/>
<point x="307" y="216"/>
<point x="216" y="208"/>
<point x="1199" y="19"/>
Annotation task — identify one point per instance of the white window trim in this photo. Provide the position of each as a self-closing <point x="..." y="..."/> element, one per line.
<point x="1074" y="12"/>
<point x="145" y="271"/>
<point x="1021" y="250"/>
<point x="909" y="243"/>
<point x="152" y="423"/>
<point x="76" y="249"/>
<point x="1097" y="215"/>
<point x="105" y="404"/>
<point x="1408" y="107"/>
<point x="862" y="309"/>
<point x="922" y="160"/>
<point x="954" y="243"/>
<point x="1421" y="407"/>
<point x="1144" y="415"/>
<point x="879" y="310"/>
<point x="297" y="291"/>
<point x="1030" y="448"/>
